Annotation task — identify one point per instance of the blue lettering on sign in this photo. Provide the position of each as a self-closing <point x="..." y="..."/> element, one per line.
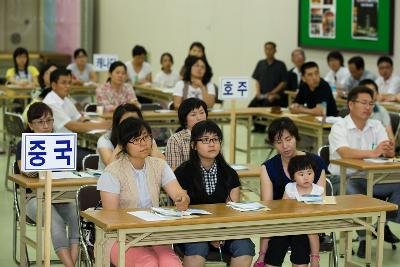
<point x="242" y="87"/>
<point x="63" y="150"/>
<point x="37" y="158"/>
<point x="228" y="88"/>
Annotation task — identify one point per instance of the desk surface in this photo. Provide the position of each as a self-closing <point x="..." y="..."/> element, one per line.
<point x="253" y="170"/>
<point x="34" y="183"/>
<point x="280" y="209"/>
<point x="362" y="165"/>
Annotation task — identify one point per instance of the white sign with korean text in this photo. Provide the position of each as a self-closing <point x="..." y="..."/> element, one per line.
<point x="48" y="152"/>
<point x="234" y="88"/>
<point x="102" y="62"/>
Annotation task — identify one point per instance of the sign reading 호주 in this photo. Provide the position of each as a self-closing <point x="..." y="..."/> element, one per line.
<point x="234" y="88"/>
<point x="48" y="152"/>
<point x="102" y="62"/>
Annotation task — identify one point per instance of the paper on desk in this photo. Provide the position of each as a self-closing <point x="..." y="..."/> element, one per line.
<point x="167" y="90"/>
<point x="71" y="175"/>
<point x="326" y="200"/>
<point x="329" y="119"/>
<point x="163" y="111"/>
<point x="149" y="216"/>
<point x="247" y="206"/>
<point x="95" y="131"/>
<point x="381" y="160"/>
<point x="171" y="212"/>
<point x="239" y="167"/>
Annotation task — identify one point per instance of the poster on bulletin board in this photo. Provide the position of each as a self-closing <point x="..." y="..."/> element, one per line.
<point x="356" y="25"/>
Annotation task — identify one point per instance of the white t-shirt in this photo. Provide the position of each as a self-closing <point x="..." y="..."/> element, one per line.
<point x="169" y="80"/>
<point x="84" y="75"/>
<point x="133" y="75"/>
<point x="341" y="75"/>
<point x="64" y="111"/>
<point x="292" y="193"/>
<point x="390" y="86"/>
<point x="344" y="133"/>
<point x="193" y="92"/>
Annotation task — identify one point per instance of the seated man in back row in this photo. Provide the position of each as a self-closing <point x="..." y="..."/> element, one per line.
<point x="66" y="117"/>
<point x="314" y="92"/>
<point x="357" y="136"/>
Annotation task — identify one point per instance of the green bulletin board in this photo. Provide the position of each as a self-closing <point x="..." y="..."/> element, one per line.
<point x="342" y="38"/>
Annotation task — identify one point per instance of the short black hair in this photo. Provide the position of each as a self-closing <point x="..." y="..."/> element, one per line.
<point x="35" y="111"/>
<point x="138" y="50"/>
<point x="385" y="59"/>
<point x="166" y="54"/>
<point x="78" y="51"/>
<point x="278" y="126"/>
<point x="270" y="43"/>
<point x="187" y="106"/>
<point x="335" y="55"/>
<point x="55" y="75"/>
<point x="353" y="94"/>
<point x="357" y="61"/>
<point x="308" y="65"/>
<point x="301" y="163"/>
<point x="43" y="71"/>
<point x="117" y="115"/>
<point x="131" y="128"/>
<point x="199" y="45"/>
<point x="369" y="81"/>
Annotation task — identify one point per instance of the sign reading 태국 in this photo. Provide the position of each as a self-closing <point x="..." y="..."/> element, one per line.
<point x="102" y="62"/>
<point x="48" y="152"/>
<point x="234" y="88"/>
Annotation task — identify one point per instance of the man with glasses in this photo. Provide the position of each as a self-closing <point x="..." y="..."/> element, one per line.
<point x="358" y="136"/>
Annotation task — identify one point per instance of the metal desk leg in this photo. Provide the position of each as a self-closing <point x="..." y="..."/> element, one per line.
<point x="370" y="183"/>
<point x="22" y="228"/>
<point x="342" y="191"/>
<point x="379" y="239"/>
<point x="39" y="225"/>
<point x="121" y="247"/>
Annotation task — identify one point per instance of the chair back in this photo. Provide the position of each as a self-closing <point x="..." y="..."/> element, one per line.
<point x="150" y="106"/>
<point x="14" y="124"/>
<point x="323" y="152"/>
<point x="91" y="161"/>
<point x="90" y="107"/>
<point x="87" y="197"/>
<point x="217" y="100"/>
<point x="395" y="123"/>
<point x="344" y="112"/>
<point x="329" y="187"/>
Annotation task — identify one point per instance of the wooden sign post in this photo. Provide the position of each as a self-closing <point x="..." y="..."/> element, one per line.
<point x="233" y="88"/>
<point x="45" y="152"/>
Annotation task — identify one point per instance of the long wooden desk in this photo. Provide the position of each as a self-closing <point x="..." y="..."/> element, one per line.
<point x="154" y="93"/>
<point x="74" y="90"/>
<point x="286" y="217"/>
<point x="60" y="189"/>
<point x="341" y="102"/>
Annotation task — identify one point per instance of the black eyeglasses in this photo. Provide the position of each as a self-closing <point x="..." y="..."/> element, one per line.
<point x="207" y="140"/>
<point x="140" y="140"/>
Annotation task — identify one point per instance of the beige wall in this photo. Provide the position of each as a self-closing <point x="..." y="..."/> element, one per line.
<point x="233" y="31"/>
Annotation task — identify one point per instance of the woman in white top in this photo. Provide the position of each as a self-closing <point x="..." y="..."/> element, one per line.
<point x="107" y="146"/>
<point x="338" y="73"/>
<point x="166" y="77"/>
<point x="139" y="71"/>
<point x="82" y="71"/>
<point x="196" y="83"/>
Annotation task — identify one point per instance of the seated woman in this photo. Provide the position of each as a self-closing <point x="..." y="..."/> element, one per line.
<point x="134" y="180"/>
<point x="284" y="135"/>
<point x="196" y="83"/>
<point x="22" y="74"/>
<point x="45" y="87"/>
<point x="379" y="113"/>
<point x="139" y="71"/>
<point x="107" y="145"/>
<point x="208" y="179"/>
<point x="190" y="112"/>
<point x="166" y="77"/>
<point x="115" y="91"/>
<point x="82" y="71"/>
<point x="196" y="49"/>
<point x="63" y="215"/>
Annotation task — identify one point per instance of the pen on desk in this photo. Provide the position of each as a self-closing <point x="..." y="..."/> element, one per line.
<point x="77" y="174"/>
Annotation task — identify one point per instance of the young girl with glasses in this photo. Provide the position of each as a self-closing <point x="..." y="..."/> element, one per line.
<point x="208" y="179"/>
